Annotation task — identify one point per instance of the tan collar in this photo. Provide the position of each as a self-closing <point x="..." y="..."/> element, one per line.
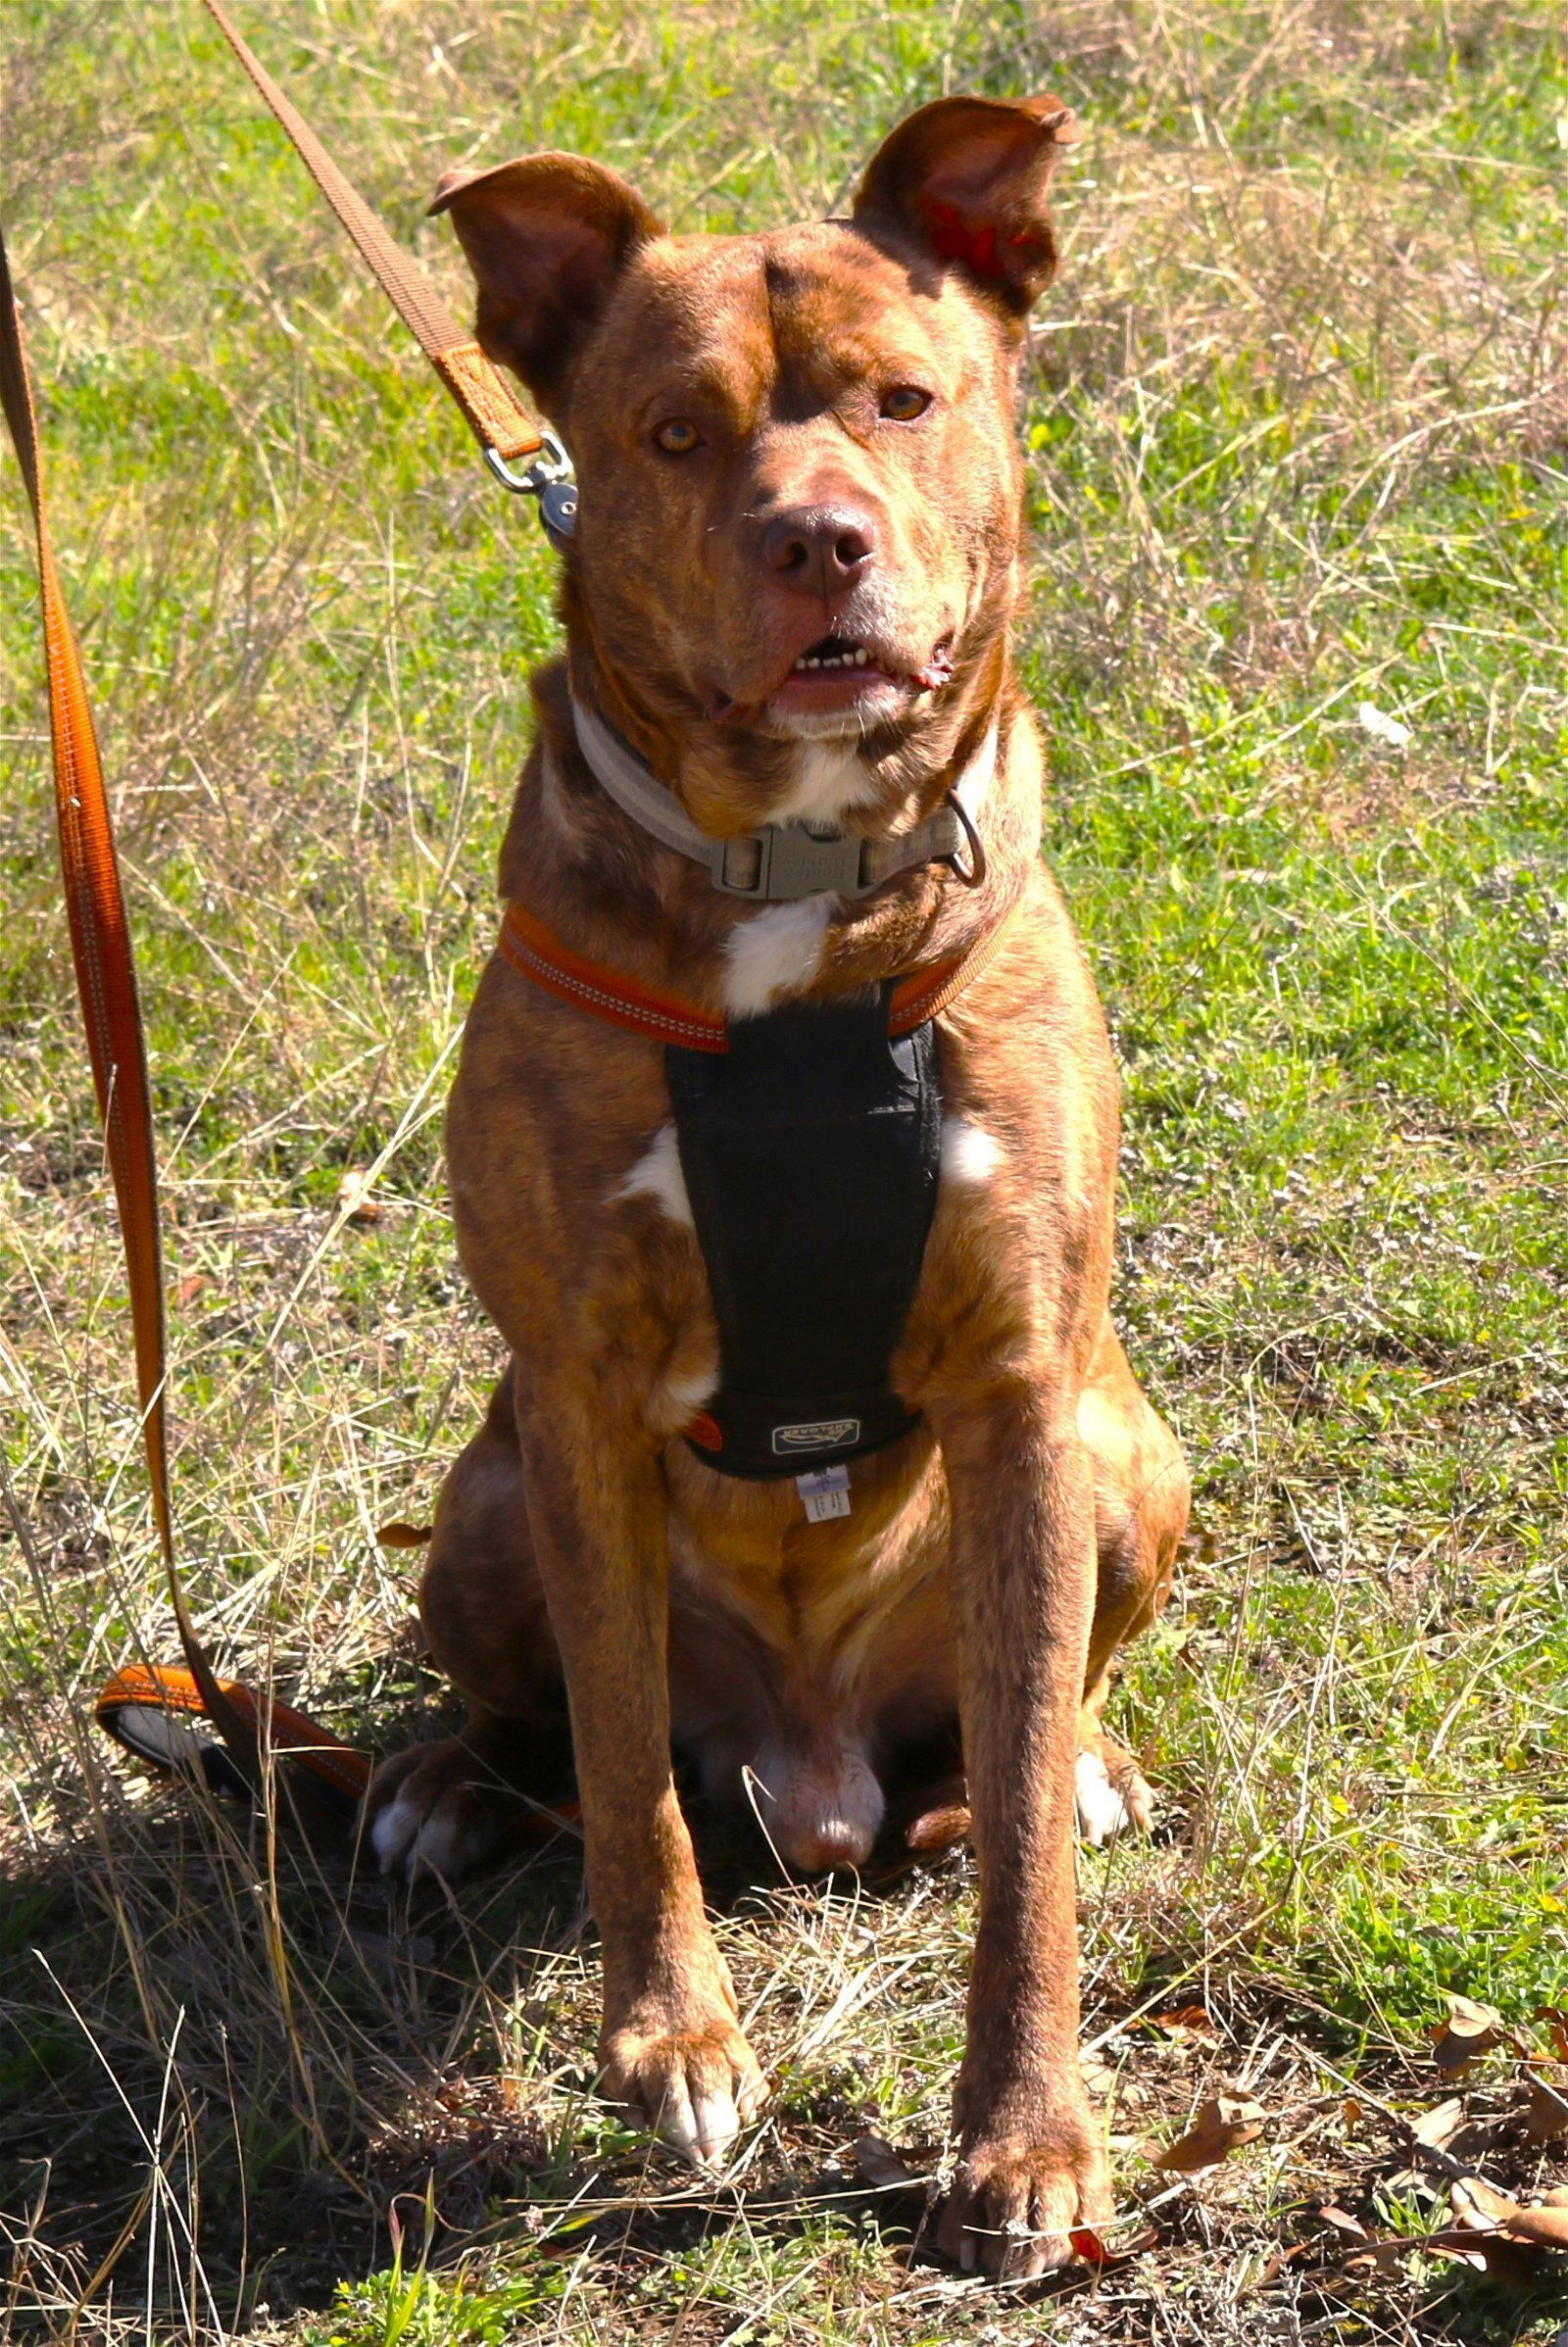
<point x="785" y="860"/>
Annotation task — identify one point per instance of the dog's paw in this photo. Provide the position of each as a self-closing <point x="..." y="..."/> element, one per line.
<point x="695" y="2088"/>
<point x="1012" y="2208"/>
<point x="1112" y="1794"/>
<point x="438" y="1809"/>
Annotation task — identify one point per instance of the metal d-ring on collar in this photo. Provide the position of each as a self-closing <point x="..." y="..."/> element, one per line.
<point x="976" y="844"/>
<point x="550" y="478"/>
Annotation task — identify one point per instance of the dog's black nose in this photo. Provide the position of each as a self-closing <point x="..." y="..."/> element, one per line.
<point x="819" y="550"/>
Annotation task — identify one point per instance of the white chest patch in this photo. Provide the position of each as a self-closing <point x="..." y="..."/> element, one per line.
<point x="656" y="1174"/>
<point x="969" y="1154"/>
<point x="776" y="953"/>
<point x="829" y="779"/>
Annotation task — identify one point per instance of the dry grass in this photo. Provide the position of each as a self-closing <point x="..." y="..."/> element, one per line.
<point x="1297" y="416"/>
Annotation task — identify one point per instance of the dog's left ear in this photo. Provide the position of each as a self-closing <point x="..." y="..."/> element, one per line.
<point x="966" y="178"/>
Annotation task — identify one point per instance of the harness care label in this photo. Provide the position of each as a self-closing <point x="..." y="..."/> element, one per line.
<point x="826" y="1494"/>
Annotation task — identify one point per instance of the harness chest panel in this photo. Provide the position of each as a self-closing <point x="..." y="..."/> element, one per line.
<point x="810" y="1152"/>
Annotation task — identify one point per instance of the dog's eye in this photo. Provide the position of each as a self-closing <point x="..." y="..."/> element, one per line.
<point x="678" y="437"/>
<point x="904" y="402"/>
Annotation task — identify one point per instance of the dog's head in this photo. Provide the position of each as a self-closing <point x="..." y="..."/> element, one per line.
<point x="799" y="517"/>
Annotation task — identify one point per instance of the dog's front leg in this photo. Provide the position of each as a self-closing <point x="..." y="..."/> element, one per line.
<point x="1032" y="2166"/>
<point x="670" y="2046"/>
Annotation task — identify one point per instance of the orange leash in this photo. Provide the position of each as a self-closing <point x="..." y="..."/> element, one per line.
<point x="111" y="1012"/>
<point x="140" y="1707"/>
<point x="485" y="398"/>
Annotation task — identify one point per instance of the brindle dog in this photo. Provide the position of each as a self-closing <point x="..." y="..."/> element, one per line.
<point x="794" y="450"/>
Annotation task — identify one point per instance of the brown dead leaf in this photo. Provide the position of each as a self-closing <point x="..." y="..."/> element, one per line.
<point x="398" y="1535"/>
<point x="1470" y="2030"/>
<point x="1544" y="2116"/>
<point x="1350" y="2227"/>
<point x="354" y="1199"/>
<point x="1223" y="2124"/>
<point x="190" y="1287"/>
<point x="1543" y="2227"/>
<point x="1556" y="2021"/>
<point x="1477" y="2204"/>
<point x="1493" y="2254"/>
<point x="1183" y="2023"/>
<point x="877" y="2164"/>
<point x="1480" y="2206"/>
<point x="1440" y="2122"/>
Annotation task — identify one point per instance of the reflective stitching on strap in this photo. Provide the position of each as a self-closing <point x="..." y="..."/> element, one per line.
<point x="539" y="956"/>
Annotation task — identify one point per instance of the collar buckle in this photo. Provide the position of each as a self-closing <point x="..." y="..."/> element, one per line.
<point x="785" y="861"/>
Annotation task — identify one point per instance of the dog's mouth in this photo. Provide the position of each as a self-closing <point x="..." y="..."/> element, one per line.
<point x="837" y="651"/>
<point x="841" y="672"/>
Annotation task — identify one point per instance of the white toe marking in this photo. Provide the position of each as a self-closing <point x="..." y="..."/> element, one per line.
<point x="1103" y="1814"/>
<point x="969" y="1154"/>
<point x="656" y="1174"/>
<point x="717" y="2124"/>
<point x="440" y="1845"/>
<point x="776" y="953"/>
<point x="393" y="1831"/>
<point x="829" y="779"/>
<point x="678" y="2127"/>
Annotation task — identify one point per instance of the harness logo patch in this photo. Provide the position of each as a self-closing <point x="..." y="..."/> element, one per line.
<point x="822" y="1434"/>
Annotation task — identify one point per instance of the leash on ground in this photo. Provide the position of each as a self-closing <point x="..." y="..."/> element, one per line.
<point x="149" y="1710"/>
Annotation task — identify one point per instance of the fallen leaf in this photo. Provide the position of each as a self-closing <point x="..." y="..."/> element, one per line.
<point x="1470" y="2030"/>
<point x="354" y="1201"/>
<point x="877" y="2164"/>
<point x="1183" y="2022"/>
<point x="190" y="1287"/>
<point x="1444" y="2121"/>
<point x="398" y="1535"/>
<point x="1479" y="2204"/>
<point x="1542" y="2224"/>
<point x="1344" y="2223"/>
<point x="1556" y="2021"/>
<point x="1542" y="2227"/>
<point x="1222" y="2125"/>
<point x="1545" y="2113"/>
<point x="1492" y="2254"/>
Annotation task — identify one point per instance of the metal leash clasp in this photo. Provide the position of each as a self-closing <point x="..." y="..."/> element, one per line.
<point x="550" y="478"/>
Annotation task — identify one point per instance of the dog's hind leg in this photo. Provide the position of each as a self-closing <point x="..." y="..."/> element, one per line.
<point x="446" y="1807"/>
<point x="1141" y="1492"/>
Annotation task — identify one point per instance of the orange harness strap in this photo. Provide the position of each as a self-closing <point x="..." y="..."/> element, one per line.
<point x="538" y="956"/>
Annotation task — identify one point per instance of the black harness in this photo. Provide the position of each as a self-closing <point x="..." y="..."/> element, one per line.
<point x="811" y="1154"/>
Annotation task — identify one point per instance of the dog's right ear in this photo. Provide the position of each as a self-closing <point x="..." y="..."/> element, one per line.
<point x="546" y="238"/>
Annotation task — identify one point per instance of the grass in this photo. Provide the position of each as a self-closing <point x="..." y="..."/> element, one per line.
<point x="1299" y="451"/>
